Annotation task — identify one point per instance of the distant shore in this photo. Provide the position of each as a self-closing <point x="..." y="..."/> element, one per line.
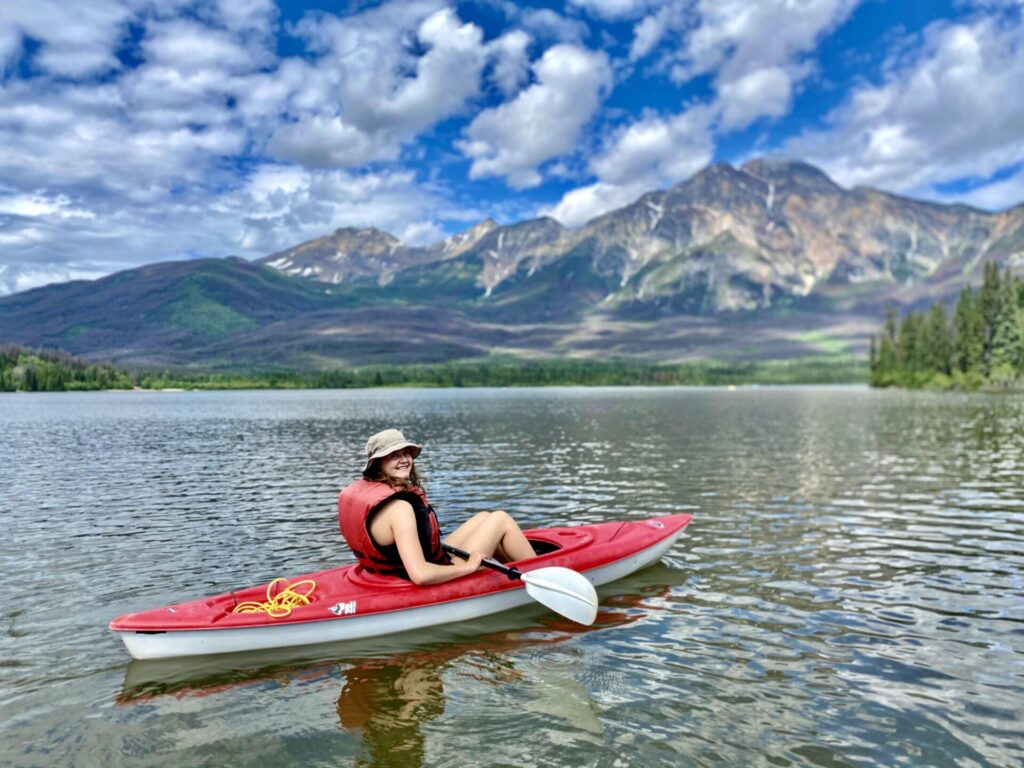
<point x="39" y="371"/>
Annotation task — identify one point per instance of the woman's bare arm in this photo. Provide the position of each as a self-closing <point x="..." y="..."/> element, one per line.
<point x="396" y="523"/>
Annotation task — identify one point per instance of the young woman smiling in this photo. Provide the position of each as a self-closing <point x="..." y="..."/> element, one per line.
<point x="392" y="529"/>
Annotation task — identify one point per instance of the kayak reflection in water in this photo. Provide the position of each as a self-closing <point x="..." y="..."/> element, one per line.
<point x="388" y="701"/>
<point x="391" y="528"/>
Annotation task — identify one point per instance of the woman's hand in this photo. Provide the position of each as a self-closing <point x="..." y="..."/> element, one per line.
<point x="472" y="565"/>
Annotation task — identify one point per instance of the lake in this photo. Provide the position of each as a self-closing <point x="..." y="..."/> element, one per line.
<point x="850" y="593"/>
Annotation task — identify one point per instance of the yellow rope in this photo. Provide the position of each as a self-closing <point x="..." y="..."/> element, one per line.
<point x="280" y="605"/>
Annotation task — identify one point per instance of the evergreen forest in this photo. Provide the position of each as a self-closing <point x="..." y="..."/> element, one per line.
<point x="981" y="345"/>
<point x="30" y="370"/>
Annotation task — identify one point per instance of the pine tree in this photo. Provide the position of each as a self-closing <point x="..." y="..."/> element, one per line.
<point x="1006" y="340"/>
<point x="968" y="338"/>
<point x="885" y="372"/>
<point x="988" y="307"/>
<point x="908" y="349"/>
<point x="935" y="341"/>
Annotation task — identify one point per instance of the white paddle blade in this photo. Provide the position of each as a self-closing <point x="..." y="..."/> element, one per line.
<point x="564" y="591"/>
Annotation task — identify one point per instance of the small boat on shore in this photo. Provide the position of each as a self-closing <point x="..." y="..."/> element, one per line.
<point x="350" y="603"/>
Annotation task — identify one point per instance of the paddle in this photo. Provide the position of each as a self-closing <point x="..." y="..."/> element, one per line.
<point x="563" y="590"/>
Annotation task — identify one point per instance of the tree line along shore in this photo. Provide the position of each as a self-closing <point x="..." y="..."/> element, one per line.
<point x="980" y="346"/>
<point x="33" y="370"/>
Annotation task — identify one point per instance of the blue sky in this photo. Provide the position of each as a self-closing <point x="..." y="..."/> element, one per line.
<point x="134" y="131"/>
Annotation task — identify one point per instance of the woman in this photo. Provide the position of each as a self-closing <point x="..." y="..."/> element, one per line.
<point x="391" y="528"/>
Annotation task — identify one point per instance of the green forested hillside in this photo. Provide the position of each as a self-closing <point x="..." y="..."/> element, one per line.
<point x="28" y="370"/>
<point x="980" y="345"/>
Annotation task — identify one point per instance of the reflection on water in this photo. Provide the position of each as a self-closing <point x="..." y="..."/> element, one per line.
<point x="851" y="591"/>
<point x="387" y="700"/>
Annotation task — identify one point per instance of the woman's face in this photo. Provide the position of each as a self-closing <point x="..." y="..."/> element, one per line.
<point x="397" y="465"/>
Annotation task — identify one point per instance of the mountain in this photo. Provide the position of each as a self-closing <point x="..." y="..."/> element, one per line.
<point x="772" y="259"/>
<point x="768" y="234"/>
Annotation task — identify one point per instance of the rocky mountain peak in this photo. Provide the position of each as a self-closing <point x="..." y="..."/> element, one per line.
<point x="791" y="173"/>
<point x="348" y="252"/>
<point x="467" y="239"/>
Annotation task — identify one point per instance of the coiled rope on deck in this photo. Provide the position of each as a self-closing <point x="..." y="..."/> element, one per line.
<point x="279" y="605"/>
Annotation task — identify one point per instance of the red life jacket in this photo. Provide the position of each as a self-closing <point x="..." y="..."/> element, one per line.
<point x="361" y="500"/>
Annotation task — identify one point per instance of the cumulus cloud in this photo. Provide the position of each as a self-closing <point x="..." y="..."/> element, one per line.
<point x="544" y="121"/>
<point x="766" y="92"/>
<point x="511" y="61"/>
<point x="941" y="115"/>
<point x="282" y="205"/>
<point x="368" y="104"/>
<point x="755" y="52"/>
<point x="649" y="154"/>
<point x="245" y="16"/>
<point x="648" y="33"/>
<point x="74" y="39"/>
<point x="185" y="46"/>
<point x="547" y="25"/>
<point x="330" y="142"/>
<point x="14" y="278"/>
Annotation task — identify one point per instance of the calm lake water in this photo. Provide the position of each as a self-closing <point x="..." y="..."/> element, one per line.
<point x="850" y="593"/>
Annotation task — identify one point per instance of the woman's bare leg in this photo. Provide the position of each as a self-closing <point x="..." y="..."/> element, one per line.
<point x="493" y="533"/>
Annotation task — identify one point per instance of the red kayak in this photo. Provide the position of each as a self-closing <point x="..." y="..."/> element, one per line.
<point x="349" y="602"/>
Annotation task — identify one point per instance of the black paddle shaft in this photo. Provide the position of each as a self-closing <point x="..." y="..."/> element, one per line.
<point x="494" y="565"/>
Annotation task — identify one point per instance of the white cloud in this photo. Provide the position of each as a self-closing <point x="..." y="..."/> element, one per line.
<point x="997" y="195"/>
<point x="39" y="204"/>
<point x="14" y="279"/>
<point x="764" y="92"/>
<point x="649" y="154"/>
<point x="942" y="115"/>
<point x="544" y="121"/>
<point x="10" y="44"/>
<point x="283" y="205"/>
<point x="545" y="24"/>
<point x="511" y="61"/>
<point x="75" y="39"/>
<point x="246" y="16"/>
<point x="324" y="142"/>
<point x="580" y="205"/>
<point x="446" y="76"/>
<point x="736" y="37"/>
<point x="185" y="46"/>
<point x="756" y="52"/>
<point x="346" y="105"/>
<point x="647" y="34"/>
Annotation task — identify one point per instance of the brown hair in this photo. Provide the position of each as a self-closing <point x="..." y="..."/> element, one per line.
<point x="375" y="473"/>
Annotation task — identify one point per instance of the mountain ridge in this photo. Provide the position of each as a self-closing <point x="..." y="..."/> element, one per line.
<point x="771" y="213"/>
<point x="772" y="259"/>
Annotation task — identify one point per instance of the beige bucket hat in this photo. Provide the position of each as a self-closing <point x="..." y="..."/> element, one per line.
<point x="388" y="441"/>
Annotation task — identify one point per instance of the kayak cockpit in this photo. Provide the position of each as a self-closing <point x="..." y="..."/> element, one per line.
<point x="363" y="577"/>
